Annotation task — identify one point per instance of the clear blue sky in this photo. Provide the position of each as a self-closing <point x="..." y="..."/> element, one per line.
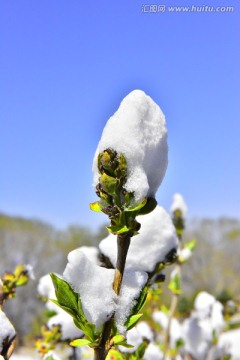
<point x="65" y="67"/>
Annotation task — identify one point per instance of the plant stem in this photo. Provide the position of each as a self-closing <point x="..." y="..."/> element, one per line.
<point x="123" y="242"/>
<point x="172" y="310"/>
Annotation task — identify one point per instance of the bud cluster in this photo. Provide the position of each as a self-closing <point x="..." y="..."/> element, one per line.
<point x="10" y="281"/>
<point x="115" y="200"/>
<point x="178" y="221"/>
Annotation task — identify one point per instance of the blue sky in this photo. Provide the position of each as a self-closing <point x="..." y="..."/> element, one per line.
<point x="65" y="67"/>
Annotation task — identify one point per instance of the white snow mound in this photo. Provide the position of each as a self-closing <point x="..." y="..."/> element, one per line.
<point x="156" y="238"/>
<point x="138" y="131"/>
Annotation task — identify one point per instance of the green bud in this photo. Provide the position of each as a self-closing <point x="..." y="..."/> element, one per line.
<point x="108" y="162"/>
<point x="178" y="222"/>
<point x="108" y="184"/>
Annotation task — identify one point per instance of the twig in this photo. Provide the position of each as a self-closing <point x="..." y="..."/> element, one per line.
<point x="123" y="242"/>
<point x="172" y="310"/>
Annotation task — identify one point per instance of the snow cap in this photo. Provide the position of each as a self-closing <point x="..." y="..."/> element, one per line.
<point x="179" y="204"/>
<point x="156" y="238"/>
<point x="7" y="330"/>
<point x="68" y="328"/>
<point x="138" y="131"/>
<point x="94" y="284"/>
<point x="133" y="282"/>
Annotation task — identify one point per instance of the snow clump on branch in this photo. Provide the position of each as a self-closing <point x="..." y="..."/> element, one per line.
<point x="94" y="284"/>
<point x="138" y="131"/>
<point x="156" y="238"/>
<point x="179" y="204"/>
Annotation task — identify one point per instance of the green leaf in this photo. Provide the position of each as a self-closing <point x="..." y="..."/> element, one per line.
<point x="80" y="342"/>
<point x="191" y="244"/>
<point x="175" y="285"/>
<point x="64" y="293"/>
<point x="141" y="300"/>
<point x="149" y="207"/>
<point x="141" y="349"/>
<point x="118" y="229"/>
<point x="95" y="206"/>
<point x="179" y="343"/>
<point x="164" y="309"/>
<point x="126" y="345"/>
<point x="108" y="183"/>
<point x="89" y="330"/>
<point x="133" y="321"/>
<point x="114" y="354"/>
<point x="22" y="280"/>
<point x="65" y="308"/>
<point x="118" y="339"/>
<point x="68" y="300"/>
<point x="138" y="206"/>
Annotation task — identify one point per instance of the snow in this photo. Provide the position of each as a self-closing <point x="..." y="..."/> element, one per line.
<point x="52" y="354"/>
<point x="138" y="131"/>
<point x="179" y="204"/>
<point x="184" y="254"/>
<point x="20" y="357"/>
<point x="229" y="343"/>
<point x="68" y="328"/>
<point x="156" y="238"/>
<point x="133" y="282"/>
<point x="91" y="253"/>
<point x="45" y="287"/>
<point x="175" y="329"/>
<point x="145" y="330"/>
<point x="198" y="330"/>
<point x="153" y="353"/>
<point x="194" y="339"/>
<point x="134" y="338"/>
<point x="209" y="312"/>
<point x="85" y="352"/>
<point x="30" y="272"/>
<point x="94" y="284"/>
<point x="7" y="330"/>
<point x="203" y="303"/>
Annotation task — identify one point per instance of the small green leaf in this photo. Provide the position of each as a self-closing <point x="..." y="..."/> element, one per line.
<point x="69" y="301"/>
<point x="164" y="309"/>
<point x="138" y="206"/>
<point x="149" y="207"/>
<point x="22" y="280"/>
<point x="179" y="343"/>
<point x="65" y="308"/>
<point x="116" y="355"/>
<point x="89" y="331"/>
<point x="80" y="342"/>
<point x="126" y="345"/>
<point x="133" y="321"/>
<point x="108" y="183"/>
<point x="118" y="229"/>
<point x="64" y="293"/>
<point x="118" y="339"/>
<point x="95" y="206"/>
<point x="191" y="244"/>
<point x="175" y="285"/>
<point x="141" y="300"/>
